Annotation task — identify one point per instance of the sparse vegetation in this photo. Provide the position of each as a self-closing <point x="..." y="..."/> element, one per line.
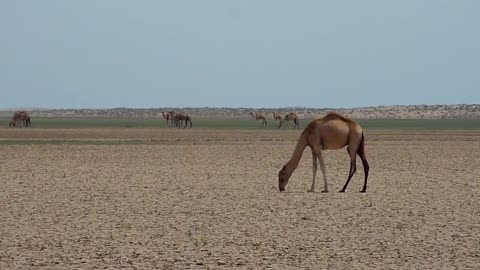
<point x="238" y="123"/>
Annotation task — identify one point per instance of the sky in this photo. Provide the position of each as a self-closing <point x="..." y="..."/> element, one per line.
<point x="249" y="53"/>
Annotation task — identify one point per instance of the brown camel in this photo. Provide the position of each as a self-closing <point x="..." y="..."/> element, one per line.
<point x="277" y="116"/>
<point x="290" y="117"/>
<point x="331" y="132"/>
<point x="259" y="116"/>
<point x="21" y="116"/>
<point x="169" y="117"/>
<point x="179" y="118"/>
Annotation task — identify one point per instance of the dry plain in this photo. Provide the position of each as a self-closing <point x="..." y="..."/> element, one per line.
<point x="208" y="199"/>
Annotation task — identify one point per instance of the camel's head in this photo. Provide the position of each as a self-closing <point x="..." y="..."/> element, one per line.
<point x="283" y="176"/>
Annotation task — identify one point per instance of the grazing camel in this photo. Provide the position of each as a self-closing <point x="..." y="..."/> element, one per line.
<point x="21" y="116"/>
<point x="169" y="117"/>
<point x="330" y="132"/>
<point x="290" y="117"/>
<point x="259" y="116"/>
<point x="179" y="118"/>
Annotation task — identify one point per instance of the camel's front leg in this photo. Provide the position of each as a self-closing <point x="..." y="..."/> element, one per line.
<point x="324" y="172"/>
<point x="314" y="170"/>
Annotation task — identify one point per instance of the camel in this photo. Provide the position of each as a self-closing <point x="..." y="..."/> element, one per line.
<point x="331" y="132"/>
<point x="179" y="118"/>
<point x="290" y="117"/>
<point x="20" y="116"/>
<point x="277" y="116"/>
<point x="259" y="116"/>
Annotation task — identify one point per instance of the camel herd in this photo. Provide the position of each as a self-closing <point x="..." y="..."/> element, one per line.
<point x="177" y="120"/>
<point x="180" y="120"/>
<point x="21" y="117"/>
<point x="278" y="118"/>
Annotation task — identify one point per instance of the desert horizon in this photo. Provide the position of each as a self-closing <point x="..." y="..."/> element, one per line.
<point x="378" y="112"/>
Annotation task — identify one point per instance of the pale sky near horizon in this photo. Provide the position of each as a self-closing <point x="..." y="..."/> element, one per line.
<point x="112" y="53"/>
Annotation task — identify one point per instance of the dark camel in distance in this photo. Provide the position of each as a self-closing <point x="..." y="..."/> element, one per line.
<point x="179" y="118"/>
<point x="259" y="116"/>
<point x="290" y="117"/>
<point x="21" y="116"/>
<point x="331" y="132"/>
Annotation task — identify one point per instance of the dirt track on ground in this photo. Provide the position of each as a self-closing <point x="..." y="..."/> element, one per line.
<point x="204" y="199"/>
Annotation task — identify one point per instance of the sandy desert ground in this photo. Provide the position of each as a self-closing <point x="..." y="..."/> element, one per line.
<point x="208" y="199"/>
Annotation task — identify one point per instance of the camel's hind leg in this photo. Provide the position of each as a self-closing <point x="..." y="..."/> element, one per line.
<point x="366" y="167"/>
<point x="314" y="170"/>
<point x="352" y="151"/>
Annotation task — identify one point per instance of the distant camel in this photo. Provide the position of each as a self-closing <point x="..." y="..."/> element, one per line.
<point x="330" y="132"/>
<point x="21" y="116"/>
<point x="179" y="118"/>
<point x="259" y="116"/>
<point x="169" y="117"/>
<point x="290" y="117"/>
<point x="277" y="116"/>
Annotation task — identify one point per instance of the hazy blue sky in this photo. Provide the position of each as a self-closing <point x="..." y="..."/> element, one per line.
<point x="70" y="54"/>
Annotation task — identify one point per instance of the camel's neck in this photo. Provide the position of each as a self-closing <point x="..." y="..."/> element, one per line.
<point x="292" y="164"/>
